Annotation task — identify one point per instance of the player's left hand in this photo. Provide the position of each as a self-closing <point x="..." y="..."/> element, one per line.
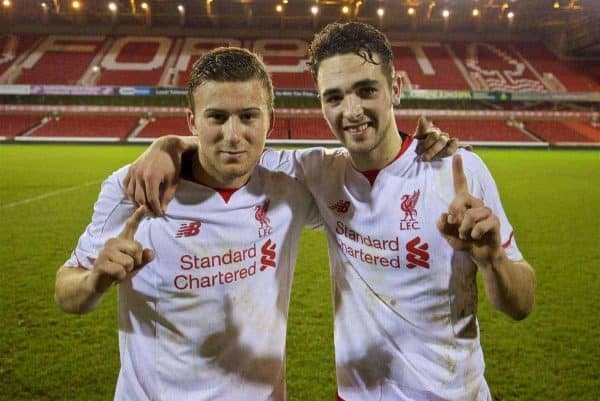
<point x="433" y="143"/>
<point x="469" y="225"/>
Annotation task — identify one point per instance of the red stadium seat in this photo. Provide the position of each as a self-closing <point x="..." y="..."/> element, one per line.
<point x="443" y="75"/>
<point x="557" y="131"/>
<point x="14" y="125"/>
<point x="76" y="126"/>
<point x="310" y="128"/>
<point x="474" y="130"/>
<point x="165" y="126"/>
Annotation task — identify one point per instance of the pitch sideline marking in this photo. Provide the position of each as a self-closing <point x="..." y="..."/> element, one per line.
<point x="49" y="194"/>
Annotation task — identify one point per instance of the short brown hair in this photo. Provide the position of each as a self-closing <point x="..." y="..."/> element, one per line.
<point x="352" y="37"/>
<point x="229" y="64"/>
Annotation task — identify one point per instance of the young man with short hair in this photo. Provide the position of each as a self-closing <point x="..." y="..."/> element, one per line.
<point x="406" y="238"/>
<point x="204" y="289"/>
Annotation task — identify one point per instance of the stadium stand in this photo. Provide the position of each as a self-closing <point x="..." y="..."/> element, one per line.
<point x="310" y="128"/>
<point x="164" y="126"/>
<point x="564" y="132"/>
<point x="167" y="61"/>
<point x="13" y="48"/>
<point x="58" y="60"/>
<point x="13" y="125"/>
<point x="498" y="67"/>
<point x="97" y="128"/>
<point x="575" y="76"/>
<point x="281" y="129"/>
<point x="475" y="130"/>
<point x="135" y="62"/>
<point x="428" y="66"/>
<point x="141" y="128"/>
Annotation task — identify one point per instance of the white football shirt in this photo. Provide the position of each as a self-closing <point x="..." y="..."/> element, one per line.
<point x="405" y="301"/>
<point x="206" y="319"/>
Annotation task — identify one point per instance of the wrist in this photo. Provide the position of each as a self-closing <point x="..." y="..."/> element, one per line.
<point x="169" y="143"/>
<point x="491" y="259"/>
<point x="94" y="284"/>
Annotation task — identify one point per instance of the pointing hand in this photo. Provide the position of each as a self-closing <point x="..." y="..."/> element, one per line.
<point x="469" y="225"/>
<point x="122" y="257"/>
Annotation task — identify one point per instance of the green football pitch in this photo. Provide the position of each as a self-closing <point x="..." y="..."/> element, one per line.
<point x="551" y="197"/>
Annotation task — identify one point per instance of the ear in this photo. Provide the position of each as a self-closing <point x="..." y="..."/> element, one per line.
<point x="396" y="89"/>
<point x="191" y="121"/>
<point x="271" y="123"/>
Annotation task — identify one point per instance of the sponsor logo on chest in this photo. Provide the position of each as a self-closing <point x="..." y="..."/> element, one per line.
<point x="226" y="266"/>
<point x="190" y="229"/>
<point x="382" y="252"/>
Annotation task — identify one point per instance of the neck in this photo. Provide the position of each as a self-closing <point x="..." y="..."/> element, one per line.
<point x="205" y="174"/>
<point x="380" y="156"/>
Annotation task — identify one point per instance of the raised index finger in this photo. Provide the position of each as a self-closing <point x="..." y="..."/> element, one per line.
<point x="132" y="223"/>
<point x="423" y="127"/>
<point x="458" y="176"/>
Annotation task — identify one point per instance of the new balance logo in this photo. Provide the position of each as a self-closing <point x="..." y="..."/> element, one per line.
<point x="417" y="254"/>
<point x="340" y="206"/>
<point x="268" y="255"/>
<point x="188" y="229"/>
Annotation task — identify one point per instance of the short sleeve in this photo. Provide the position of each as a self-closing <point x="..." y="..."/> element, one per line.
<point x="485" y="188"/>
<point x="111" y="211"/>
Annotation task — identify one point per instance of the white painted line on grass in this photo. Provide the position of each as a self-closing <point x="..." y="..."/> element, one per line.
<point x="49" y="194"/>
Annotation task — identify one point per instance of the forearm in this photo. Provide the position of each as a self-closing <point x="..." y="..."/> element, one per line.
<point x="509" y="285"/>
<point x="74" y="291"/>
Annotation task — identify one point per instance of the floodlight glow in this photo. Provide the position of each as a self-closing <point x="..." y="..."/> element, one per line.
<point x="44" y="6"/>
<point x="314" y="10"/>
<point x="144" y="6"/>
<point x="76" y="5"/>
<point x="380" y="12"/>
<point x="445" y="13"/>
<point x="6" y="3"/>
<point x="411" y="11"/>
<point x="510" y="15"/>
<point x="475" y="12"/>
<point x="556" y="5"/>
<point x="181" y="8"/>
<point x="96" y="68"/>
<point x="345" y="10"/>
<point x="285" y="1"/>
<point x="112" y="6"/>
<point x="279" y="8"/>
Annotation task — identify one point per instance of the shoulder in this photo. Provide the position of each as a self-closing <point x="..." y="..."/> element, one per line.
<point x="112" y="203"/>
<point x="471" y="161"/>
<point x="473" y="165"/>
<point x="116" y="179"/>
<point x="305" y="156"/>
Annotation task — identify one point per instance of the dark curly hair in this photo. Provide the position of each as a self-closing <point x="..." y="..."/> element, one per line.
<point x="229" y="64"/>
<point x="352" y="37"/>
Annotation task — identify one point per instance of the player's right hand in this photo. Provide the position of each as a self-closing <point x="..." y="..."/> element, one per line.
<point x="152" y="178"/>
<point x="121" y="257"/>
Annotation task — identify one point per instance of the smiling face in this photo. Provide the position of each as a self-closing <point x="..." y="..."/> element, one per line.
<point x="231" y="121"/>
<point x="357" y="101"/>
